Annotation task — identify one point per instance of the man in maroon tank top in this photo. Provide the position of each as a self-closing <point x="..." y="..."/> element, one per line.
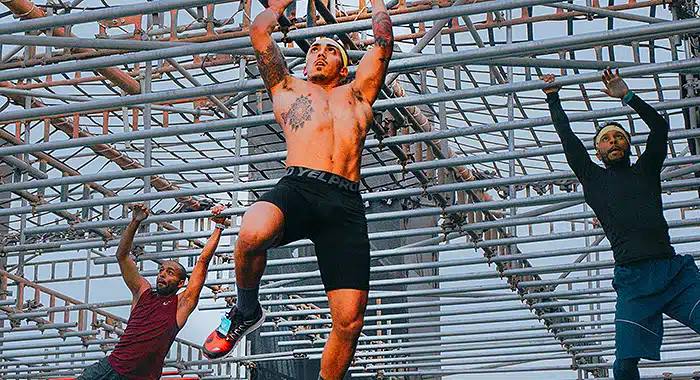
<point x="157" y="314"/>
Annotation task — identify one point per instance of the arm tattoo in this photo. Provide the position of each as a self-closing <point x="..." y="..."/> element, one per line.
<point x="382" y="28"/>
<point x="299" y="112"/>
<point x="272" y="66"/>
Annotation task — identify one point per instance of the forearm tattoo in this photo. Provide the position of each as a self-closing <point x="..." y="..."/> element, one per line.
<point x="273" y="68"/>
<point x="299" y="112"/>
<point x="382" y="28"/>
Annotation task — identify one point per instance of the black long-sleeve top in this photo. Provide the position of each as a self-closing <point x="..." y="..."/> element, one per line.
<point x="625" y="198"/>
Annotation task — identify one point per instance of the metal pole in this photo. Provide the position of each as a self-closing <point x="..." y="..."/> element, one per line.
<point x="379" y="195"/>
<point x="101" y="14"/>
<point x="371" y="217"/>
<point x="379" y="105"/>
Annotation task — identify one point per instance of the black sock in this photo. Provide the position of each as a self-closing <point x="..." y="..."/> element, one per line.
<point x="247" y="302"/>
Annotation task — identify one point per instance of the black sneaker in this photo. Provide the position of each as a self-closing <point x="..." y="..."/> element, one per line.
<point x="230" y="331"/>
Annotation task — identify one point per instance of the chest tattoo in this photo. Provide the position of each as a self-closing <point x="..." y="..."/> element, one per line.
<point x="299" y="112"/>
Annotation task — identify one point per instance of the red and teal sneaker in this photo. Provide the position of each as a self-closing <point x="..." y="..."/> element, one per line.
<point x="231" y="330"/>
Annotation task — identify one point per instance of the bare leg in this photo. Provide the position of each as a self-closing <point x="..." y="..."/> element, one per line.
<point x="347" y="311"/>
<point x="261" y="227"/>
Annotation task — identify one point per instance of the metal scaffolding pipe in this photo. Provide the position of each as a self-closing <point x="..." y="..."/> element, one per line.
<point x="446" y="372"/>
<point x="48" y="247"/>
<point x="451" y="278"/>
<point x="411" y="63"/>
<point x="446" y="313"/>
<point x="101" y="14"/>
<point x="387" y="194"/>
<point x="498" y="321"/>
<point x="50" y="95"/>
<point x="269" y="183"/>
<point x="40" y="327"/>
<point x="62" y="335"/>
<point x="459" y="247"/>
<point x="243" y="42"/>
<point x="510" y="334"/>
<point x="87" y="342"/>
<point x="499" y="348"/>
<point x="609" y="13"/>
<point x="206" y="164"/>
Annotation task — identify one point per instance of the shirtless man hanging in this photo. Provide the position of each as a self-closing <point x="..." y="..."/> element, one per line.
<point x="325" y="122"/>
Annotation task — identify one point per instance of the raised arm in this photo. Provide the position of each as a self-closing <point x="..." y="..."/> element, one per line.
<point x="273" y="68"/>
<point x="134" y="281"/>
<point x="371" y="70"/>
<point x="189" y="298"/>
<point x="574" y="150"/>
<point x="657" y="143"/>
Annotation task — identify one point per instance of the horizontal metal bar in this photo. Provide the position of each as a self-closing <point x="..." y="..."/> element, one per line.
<point x="281" y="155"/>
<point x="497" y="321"/>
<point x="402" y="193"/>
<point x="295" y="34"/>
<point x="62" y="335"/>
<point x="456" y="341"/>
<point x="82" y="343"/>
<point x="101" y="14"/>
<point x="249" y="121"/>
<point x="678" y="134"/>
<point x="26" y="351"/>
<point x="378" y="363"/>
<point x="46" y="247"/>
<point x="533" y="368"/>
<point x="464" y="360"/>
<point x="51" y="95"/>
<point x="543" y="269"/>
<point x="40" y="327"/>
<point x="44" y="311"/>
<point x="609" y="13"/>
<point x="374" y="254"/>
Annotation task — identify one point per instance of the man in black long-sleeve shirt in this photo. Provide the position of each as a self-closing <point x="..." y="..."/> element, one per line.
<point x="650" y="279"/>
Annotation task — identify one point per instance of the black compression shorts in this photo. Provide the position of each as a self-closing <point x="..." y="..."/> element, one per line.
<point x="327" y="209"/>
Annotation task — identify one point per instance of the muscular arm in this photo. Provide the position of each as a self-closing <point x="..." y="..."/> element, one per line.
<point x="371" y="70"/>
<point x="190" y="297"/>
<point x="273" y="68"/>
<point x="134" y="281"/>
<point x="574" y="150"/>
<point x="657" y="143"/>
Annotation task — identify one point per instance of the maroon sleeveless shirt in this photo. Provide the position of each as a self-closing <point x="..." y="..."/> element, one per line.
<point x="150" y="331"/>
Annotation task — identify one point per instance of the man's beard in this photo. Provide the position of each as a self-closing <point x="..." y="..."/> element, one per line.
<point x="624" y="160"/>
<point x="166" y="290"/>
<point x="318" y="77"/>
<point x="323" y="76"/>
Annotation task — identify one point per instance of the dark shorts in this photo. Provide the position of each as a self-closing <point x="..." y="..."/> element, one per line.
<point x="645" y="291"/>
<point x="101" y="371"/>
<point x="328" y="210"/>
